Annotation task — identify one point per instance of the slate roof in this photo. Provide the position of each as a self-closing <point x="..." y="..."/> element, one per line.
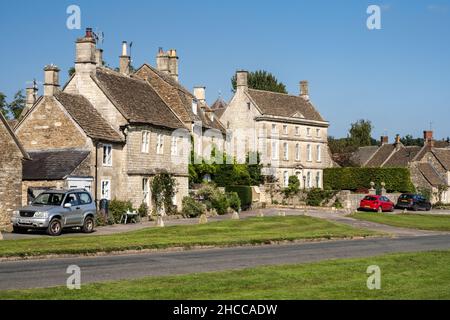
<point x="87" y="117"/>
<point x="363" y="154"/>
<point x="402" y="157"/>
<point x="381" y="155"/>
<point x="136" y="99"/>
<point x="219" y="104"/>
<point x="430" y="174"/>
<point x="13" y="136"/>
<point x="52" y="165"/>
<point x="443" y="155"/>
<point x="284" y="105"/>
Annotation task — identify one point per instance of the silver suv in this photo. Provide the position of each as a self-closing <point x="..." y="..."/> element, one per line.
<point x="55" y="210"/>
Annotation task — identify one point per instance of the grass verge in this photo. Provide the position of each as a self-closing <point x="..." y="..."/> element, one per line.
<point x="414" y="221"/>
<point x="403" y="276"/>
<point x="224" y="233"/>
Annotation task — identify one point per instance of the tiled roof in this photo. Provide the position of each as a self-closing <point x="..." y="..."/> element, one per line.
<point x="136" y="99"/>
<point x="52" y="165"/>
<point x="431" y="174"/>
<point x="381" y="155"/>
<point x="87" y="117"/>
<point x="443" y="155"/>
<point x="402" y="157"/>
<point x="284" y="105"/>
<point x="219" y="104"/>
<point x="363" y="154"/>
<point x="12" y="123"/>
<point x="13" y="136"/>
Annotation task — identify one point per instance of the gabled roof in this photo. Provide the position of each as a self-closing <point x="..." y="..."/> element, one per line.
<point x="402" y="157"/>
<point x="431" y="175"/>
<point x="381" y="155"/>
<point x="443" y="155"/>
<point x="87" y="117"/>
<point x="136" y="99"/>
<point x="284" y="105"/>
<point x="219" y="104"/>
<point x="53" y="165"/>
<point x="363" y="154"/>
<point x="13" y="136"/>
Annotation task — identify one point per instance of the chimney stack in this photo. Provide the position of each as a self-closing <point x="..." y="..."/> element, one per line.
<point x="398" y="142"/>
<point x="304" y="90"/>
<point x="31" y="96"/>
<point x="162" y="61"/>
<point x="85" y="61"/>
<point x="124" y="66"/>
<point x="200" y="94"/>
<point x="384" y="140"/>
<point x="173" y="64"/>
<point x="241" y="80"/>
<point x="51" y="80"/>
<point x="428" y="137"/>
<point x="99" y="57"/>
<point x="167" y="62"/>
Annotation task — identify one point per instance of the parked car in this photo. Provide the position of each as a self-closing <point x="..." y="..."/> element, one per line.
<point x="413" y="202"/>
<point x="376" y="203"/>
<point x="55" y="210"/>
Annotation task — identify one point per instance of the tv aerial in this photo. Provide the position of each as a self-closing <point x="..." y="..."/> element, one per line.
<point x="99" y="36"/>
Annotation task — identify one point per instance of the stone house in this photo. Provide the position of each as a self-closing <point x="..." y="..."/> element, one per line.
<point x="12" y="157"/>
<point x="429" y="164"/>
<point x="127" y="130"/>
<point x="287" y="130"/>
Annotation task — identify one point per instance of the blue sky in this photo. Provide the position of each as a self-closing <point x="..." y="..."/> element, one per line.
<point x="398" y="77"/>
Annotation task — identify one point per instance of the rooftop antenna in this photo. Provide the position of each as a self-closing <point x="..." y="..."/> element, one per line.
<point x="131" y="57"/>
<point x="431" y="125"/>
<point x="99" y="36"/>
<point x="34" y="83"/>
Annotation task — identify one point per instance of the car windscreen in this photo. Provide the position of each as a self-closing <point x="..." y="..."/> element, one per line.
<point x="49" y="199"/>
<point x="369" y="198"/>
<point x="406" y="196"/>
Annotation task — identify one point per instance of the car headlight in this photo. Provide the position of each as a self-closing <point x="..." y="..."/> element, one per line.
<point x="16" y="214"/>
<point x="39" y="214"/>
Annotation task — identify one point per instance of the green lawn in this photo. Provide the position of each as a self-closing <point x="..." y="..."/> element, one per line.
<point x="230" y="232"/>
<point x="403" y="276"/>
<point x="415" y="221"/>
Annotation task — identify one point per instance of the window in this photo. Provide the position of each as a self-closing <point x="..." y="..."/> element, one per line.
<point x="72" y="199"/>
<point x="174" y="146"/>
<point x="318" y="179"/>
<point x="285" y="151"/>
<point x="274" y="150"/>
<point x="297" y="131"/>
<point x="194" y="106"/>
<point x="297" y="152"/>
<point x="286" y="178"/>
<point x="319" y="153"/>
<point x="160" y="144"/>
<point x="308" y="180"/>
<point x="106" y="189"/>
<point x="274" y="129"/>
<point x="308" y="132"/>
<point x="107" y="155"/>
<point x="145" y="191"/>
<point x="85" y="198"/>
<point x="145" y="141"/>
<point x="308" y="151"/>
<point x="318" y="133"/>
<point x="285" y="129"/>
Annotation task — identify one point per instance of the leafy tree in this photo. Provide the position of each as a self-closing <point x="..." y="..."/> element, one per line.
<point x="361" y="133"/>
<point x="3" y="105"/>
<point x="163" y="190"/>
<point x="409" y="140"/>
<point x="17" y="105"/>
<point x="262" y="80"/>
<point x="71" y="71"/>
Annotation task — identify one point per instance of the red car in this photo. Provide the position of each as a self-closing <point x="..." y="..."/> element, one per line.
<point x="376" y="203"/>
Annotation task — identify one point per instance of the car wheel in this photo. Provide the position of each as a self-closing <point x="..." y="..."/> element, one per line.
<point x="415" y="207"/>
<point x="429" y="208"/>
<point x="19" y="230"/>
<point x="88" y="225"/>
<point x="54" y="228"/>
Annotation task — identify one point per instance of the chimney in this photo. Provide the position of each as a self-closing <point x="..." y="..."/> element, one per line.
<point x="31" y="96"/>
<point x="162" y="61"/>
<point x="398" y="142"/>
<point x="85" y="61"/>
<point x="200" y="93"/>
<point x="428" y="137"/>
<point x="99" y="57"/>
<point x="242" y="80"/>
<point x="173" y="64"/>
<point x="51" y="80"/>
<point x="124" y="66"/>
<point x="384" y="140"/>
<point x="304" y="90"/>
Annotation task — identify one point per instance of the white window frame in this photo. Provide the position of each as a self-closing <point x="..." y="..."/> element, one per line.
<point x="319" y="153"/>
<point x="318" y="133"/>
<point x="174" y="146"/>
<point x="297" y="130"/>
<point x="160" y="144"/>
<point x="106" y="192"/>
<point x="286" y="178"/>
<point x="309" y="152"/>
<point x="285" y="151"/>
<point x="297" y="152"/>
<point x="274" y="129"/>
<point x="285" y="129"/>
<point x="146" y="191"/>
<point x="318" y="179"/>
<point x="107" y="160"/>
<point x="275" y="150"/>
<point x="309" y="180"/>
<point x="145" y="141"/>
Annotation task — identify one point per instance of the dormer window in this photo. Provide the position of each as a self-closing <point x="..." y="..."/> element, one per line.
<point x="195" y="107"/>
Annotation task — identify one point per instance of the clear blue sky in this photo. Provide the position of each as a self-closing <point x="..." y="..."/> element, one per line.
<point x="398" y="77"/>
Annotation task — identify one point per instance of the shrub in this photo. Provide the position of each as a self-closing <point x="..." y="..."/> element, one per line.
<point x="234" y="201"/>
<point x="396" y="179"/>
<point x="220" y="203"/>
<point x="143" y="210"/>
<point x="117" y="208"/>
<point x="163" y="188"/>
<point x="316" y="197"/>
<point x="244" y="193"/>
<point x="214" y="198"/>
<point x="192" y="208"/>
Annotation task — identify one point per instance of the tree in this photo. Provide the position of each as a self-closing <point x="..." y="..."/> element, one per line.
<point x="3" y="105"/>
<point x="361" y="133"/>
<point x="163" y="189"/>
<point x="71" y="71"/>
<point x="409" y="140"/>
<point x="17" y="105"/>
<point x="261" y="80"/>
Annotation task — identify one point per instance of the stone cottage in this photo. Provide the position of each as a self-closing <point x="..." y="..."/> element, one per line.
<point x="287" y="130"/>
<point x="116" y="126"/>
<point x="12" y="157"/>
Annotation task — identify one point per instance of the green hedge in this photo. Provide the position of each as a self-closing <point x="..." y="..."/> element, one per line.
<point x="244" y="193"/>
<point x="396" y="179"/>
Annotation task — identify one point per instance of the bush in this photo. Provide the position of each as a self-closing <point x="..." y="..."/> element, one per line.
<point x="117" y="208"/>
<point x="214" y="198"/>
<point x="192" y="208"/>
<point x="396" y="179"/>
<point x="316" y="197"/>
<point x="244" y="193"/>
<point x="220" y="203"/>
<point x="143" y="210"/>
<point x="234" y="201"/>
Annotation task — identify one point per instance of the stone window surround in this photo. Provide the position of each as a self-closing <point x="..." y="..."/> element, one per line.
<point x="107" y="155"/>
<point x="145" y="141"/>
<point x="106" y="189"/>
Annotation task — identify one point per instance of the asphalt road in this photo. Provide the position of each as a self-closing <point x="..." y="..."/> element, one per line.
<point x="49" y="273"/>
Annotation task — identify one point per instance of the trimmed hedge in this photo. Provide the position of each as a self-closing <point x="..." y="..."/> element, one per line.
<point x="244" y="193"/>
<point x="396" y="179"/>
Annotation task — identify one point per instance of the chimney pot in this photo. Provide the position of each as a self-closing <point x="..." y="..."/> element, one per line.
<point x="428" y="137"/>
<point x="88" y="32"/>
<point x="124" y="60"/>
<point x="304" y="90"/>
<point x="384" y="140"/>
<point x="242" y="80"/>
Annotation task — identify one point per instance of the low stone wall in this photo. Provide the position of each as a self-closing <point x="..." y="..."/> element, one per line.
<point x="352" y="200"/>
